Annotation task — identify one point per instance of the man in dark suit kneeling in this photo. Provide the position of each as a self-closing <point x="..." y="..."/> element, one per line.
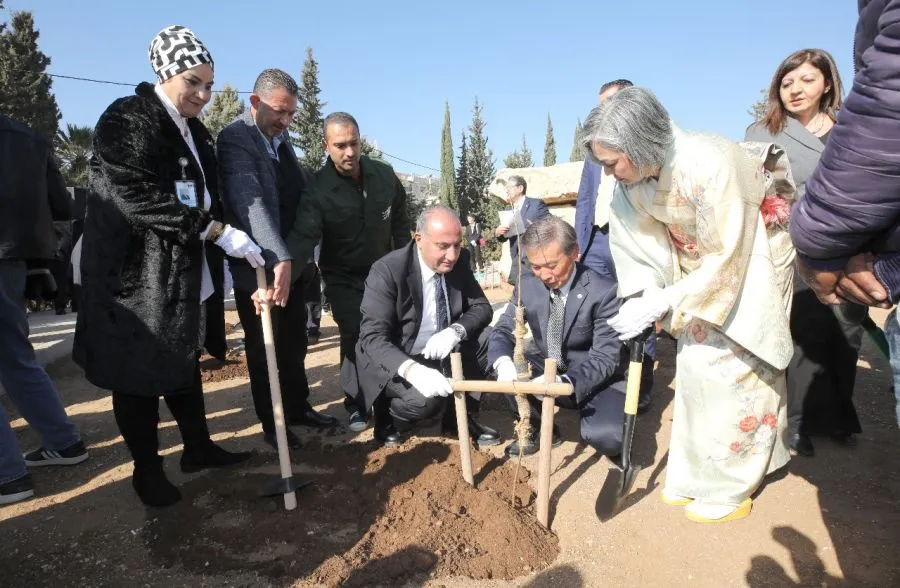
<point x="421" y="303"/>
<point x="566" y="308"/>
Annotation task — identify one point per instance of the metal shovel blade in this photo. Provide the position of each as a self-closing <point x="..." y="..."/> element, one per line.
<point x="619" y="482"/>
<point x="284" y="485"/>
<point x="616" y="487"/>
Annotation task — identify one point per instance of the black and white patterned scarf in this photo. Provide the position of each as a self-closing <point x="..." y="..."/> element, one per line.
<point x="176" y="49"/>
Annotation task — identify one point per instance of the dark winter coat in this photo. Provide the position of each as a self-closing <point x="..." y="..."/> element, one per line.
<point x="32" y="194"/>
<point x="852" y="201"/>
<point x="139" y="328"/>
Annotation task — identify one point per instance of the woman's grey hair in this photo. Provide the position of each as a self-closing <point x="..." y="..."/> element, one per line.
<point x="550" y="229"/>
<point x="633" y="122"/>
<point x="274" y="79"/>
<point x="425" y="216"/>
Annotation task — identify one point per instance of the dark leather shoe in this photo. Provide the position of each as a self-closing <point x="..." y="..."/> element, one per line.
<point x="844" y="438"/>
<point x="153" y="487"/>
<point x="210" y="456"/>
<point x="483" y="435"/>
<point x="533" y="445"/>
<point x="389" y="436"/>
<point x="311" y="418"/>
<point x="312" y="337"/>
<point x="801" y="445"/>
<point x="293" y="440"/>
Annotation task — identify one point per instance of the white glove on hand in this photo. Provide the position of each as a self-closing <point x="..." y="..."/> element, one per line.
<point x="237" y="243"/>
<point x="637" y="314"/>
<point x="429" y="382"/>
<point x="440" y="344"/>
<point x="506" y="370"/>
<point x="540" y="380"/>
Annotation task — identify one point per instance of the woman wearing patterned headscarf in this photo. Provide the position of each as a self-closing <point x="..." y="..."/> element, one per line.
<point x="152" y="262"/>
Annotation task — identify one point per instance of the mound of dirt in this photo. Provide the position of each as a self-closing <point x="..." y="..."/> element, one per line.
<point x="216" y="370"/>
<point x="371" y="517"/>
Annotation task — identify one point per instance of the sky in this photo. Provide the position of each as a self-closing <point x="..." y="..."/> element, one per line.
<point x="394" y="64"/>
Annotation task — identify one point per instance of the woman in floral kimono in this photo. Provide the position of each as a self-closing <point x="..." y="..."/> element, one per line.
<point x="697" y="231"/>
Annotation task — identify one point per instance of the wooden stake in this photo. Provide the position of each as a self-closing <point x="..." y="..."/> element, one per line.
<point x="462" y="420"/>
<point x="513" y="387"/>
<point x="284" y="456"/>
<point x="548" y="406"/>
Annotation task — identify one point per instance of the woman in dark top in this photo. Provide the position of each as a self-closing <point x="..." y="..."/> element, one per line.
<point x="151" y="262"/>
<point x="804" y="97"/>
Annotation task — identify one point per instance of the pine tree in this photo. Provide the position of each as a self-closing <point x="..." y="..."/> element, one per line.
<point x="759" y="108"/>
<point x="549" y="145"/>
<point x="577" y="151"/>
<point x="225" y="107"/>
<point x="307" y="125"/>
<point x="448" y="174"/>
<point x="480" y="173"/>
<point x="370" y="149"/>
<point x="464" y="195"/>
<point x="25" y="88"/>
<point x="74" y="148"/>
<point x="520" y="157"/>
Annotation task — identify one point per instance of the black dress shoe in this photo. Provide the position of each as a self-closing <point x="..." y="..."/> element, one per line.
<point x="801" y="445"/>
<point x="311" y="418"/>
<point x="533" y="444"/>
<point x="389" y="436"/>
<point x="153" y="487"/>
<point x="312" y="337"/>
<point x="483" y="435"/>
<point x="210" y="456"/>
<point x="293" y="440"/>
<point x="844" y="438"/>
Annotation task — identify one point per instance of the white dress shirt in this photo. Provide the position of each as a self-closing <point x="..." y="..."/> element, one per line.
<point x="429" y="325"/>
<point x="206" y="283"/>
<point x="565" y="288"/>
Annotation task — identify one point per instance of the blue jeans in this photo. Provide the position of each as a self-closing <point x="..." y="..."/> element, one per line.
<point x="27" y="384"/>
<point x="892" y="332"/>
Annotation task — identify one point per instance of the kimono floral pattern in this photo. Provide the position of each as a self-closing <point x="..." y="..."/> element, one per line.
<point x="698" y="232"/>
<point x="730" y="418"/>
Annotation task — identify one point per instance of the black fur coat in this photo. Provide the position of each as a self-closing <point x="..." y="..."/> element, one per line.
<point x="139" y="327"/>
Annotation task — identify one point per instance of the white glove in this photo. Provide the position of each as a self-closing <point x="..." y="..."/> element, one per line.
<point x="237" y="243"/>
<point x="440" y="344"/>
<point x="506" y="370"/>
<point x="429" y="382"/>
<point x="540" y="380"/>
<point x="637" y="314"/>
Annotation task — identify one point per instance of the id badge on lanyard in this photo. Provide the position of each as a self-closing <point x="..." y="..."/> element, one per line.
<point x="185" y="189"/>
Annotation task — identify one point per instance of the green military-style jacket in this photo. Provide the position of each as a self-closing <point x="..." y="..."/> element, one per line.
<point x="355" y="230"/>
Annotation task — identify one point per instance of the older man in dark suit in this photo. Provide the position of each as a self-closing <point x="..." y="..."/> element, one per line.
<point x="527" y="210"/>
<point x="567" y="307"/>
<point x="261" y="186"/>
<point x="420" y="303"/>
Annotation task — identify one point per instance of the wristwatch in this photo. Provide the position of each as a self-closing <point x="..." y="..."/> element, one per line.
<point x="459" y="330"/>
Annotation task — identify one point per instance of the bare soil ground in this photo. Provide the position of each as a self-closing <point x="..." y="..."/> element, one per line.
<point x="403" y="517"/>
